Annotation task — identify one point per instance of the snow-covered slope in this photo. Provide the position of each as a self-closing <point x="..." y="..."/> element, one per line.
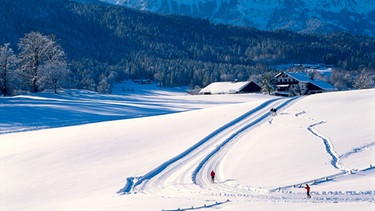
<point x="308" y="16"/>
<point x="161" y="160"/>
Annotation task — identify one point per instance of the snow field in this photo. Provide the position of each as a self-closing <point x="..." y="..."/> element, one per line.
<point x="86" y="166"/>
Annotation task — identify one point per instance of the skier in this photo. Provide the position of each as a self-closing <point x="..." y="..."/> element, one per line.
<point x="273" y="111"/>
<point x="308" y="191"/>
<point x="212" y="176"/>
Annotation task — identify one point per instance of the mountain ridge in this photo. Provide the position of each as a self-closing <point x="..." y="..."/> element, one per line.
<point x="304" y="16"/>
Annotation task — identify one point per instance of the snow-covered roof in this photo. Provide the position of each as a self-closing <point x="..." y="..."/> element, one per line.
<point x="224" y="87"/>
<point x="303" y="77"/>
<point x="323" y="85"/>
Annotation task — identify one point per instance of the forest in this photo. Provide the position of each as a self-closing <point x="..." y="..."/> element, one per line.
<point x="104" y="44"/>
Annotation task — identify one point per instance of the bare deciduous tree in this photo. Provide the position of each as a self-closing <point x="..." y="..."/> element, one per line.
<point x="42" y="61"/>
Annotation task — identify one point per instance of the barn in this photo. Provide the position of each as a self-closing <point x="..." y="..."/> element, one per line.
<point x="234" y="87"/>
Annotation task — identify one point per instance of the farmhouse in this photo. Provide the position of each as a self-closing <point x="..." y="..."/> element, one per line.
<point x="234" y="87"/>
<point x="290" y="84"/>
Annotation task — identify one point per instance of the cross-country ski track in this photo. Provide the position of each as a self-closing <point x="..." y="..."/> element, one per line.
<point x="187" y="174"/>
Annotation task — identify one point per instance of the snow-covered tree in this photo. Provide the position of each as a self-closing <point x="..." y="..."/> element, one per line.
<point x="364" y="81"/>
<point x="341" y="79"/>
<point x="267" y="83"/>
<point x="55" y="70"/>
<point x="7" y="66"/>
<point x="42" y="62"/>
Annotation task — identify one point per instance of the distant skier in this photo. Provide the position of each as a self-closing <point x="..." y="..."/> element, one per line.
<point x="212" y="176"/>
<point x="273" y="111"/>
<point x="308" y="191"/>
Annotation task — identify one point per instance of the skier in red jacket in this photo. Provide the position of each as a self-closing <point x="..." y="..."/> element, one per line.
<point x="308" y="191"/>
<point x="212" y="176"/>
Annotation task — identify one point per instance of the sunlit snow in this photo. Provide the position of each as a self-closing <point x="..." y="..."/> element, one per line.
<point x="148" y="149"/>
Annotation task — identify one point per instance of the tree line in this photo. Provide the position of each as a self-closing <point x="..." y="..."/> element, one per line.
<point x="104" y="44"/>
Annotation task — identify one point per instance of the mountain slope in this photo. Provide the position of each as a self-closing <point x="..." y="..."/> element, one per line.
<point x="170" y="49"/>
<point x="307" y="16"/>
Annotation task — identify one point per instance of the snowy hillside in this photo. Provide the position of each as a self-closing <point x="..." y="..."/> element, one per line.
<point x="158" y="157"/>
<point x="301" y="16"/>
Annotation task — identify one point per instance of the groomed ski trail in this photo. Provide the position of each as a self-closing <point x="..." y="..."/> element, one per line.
<point x="175" y="172"/>
<point x="186" y="176"/>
